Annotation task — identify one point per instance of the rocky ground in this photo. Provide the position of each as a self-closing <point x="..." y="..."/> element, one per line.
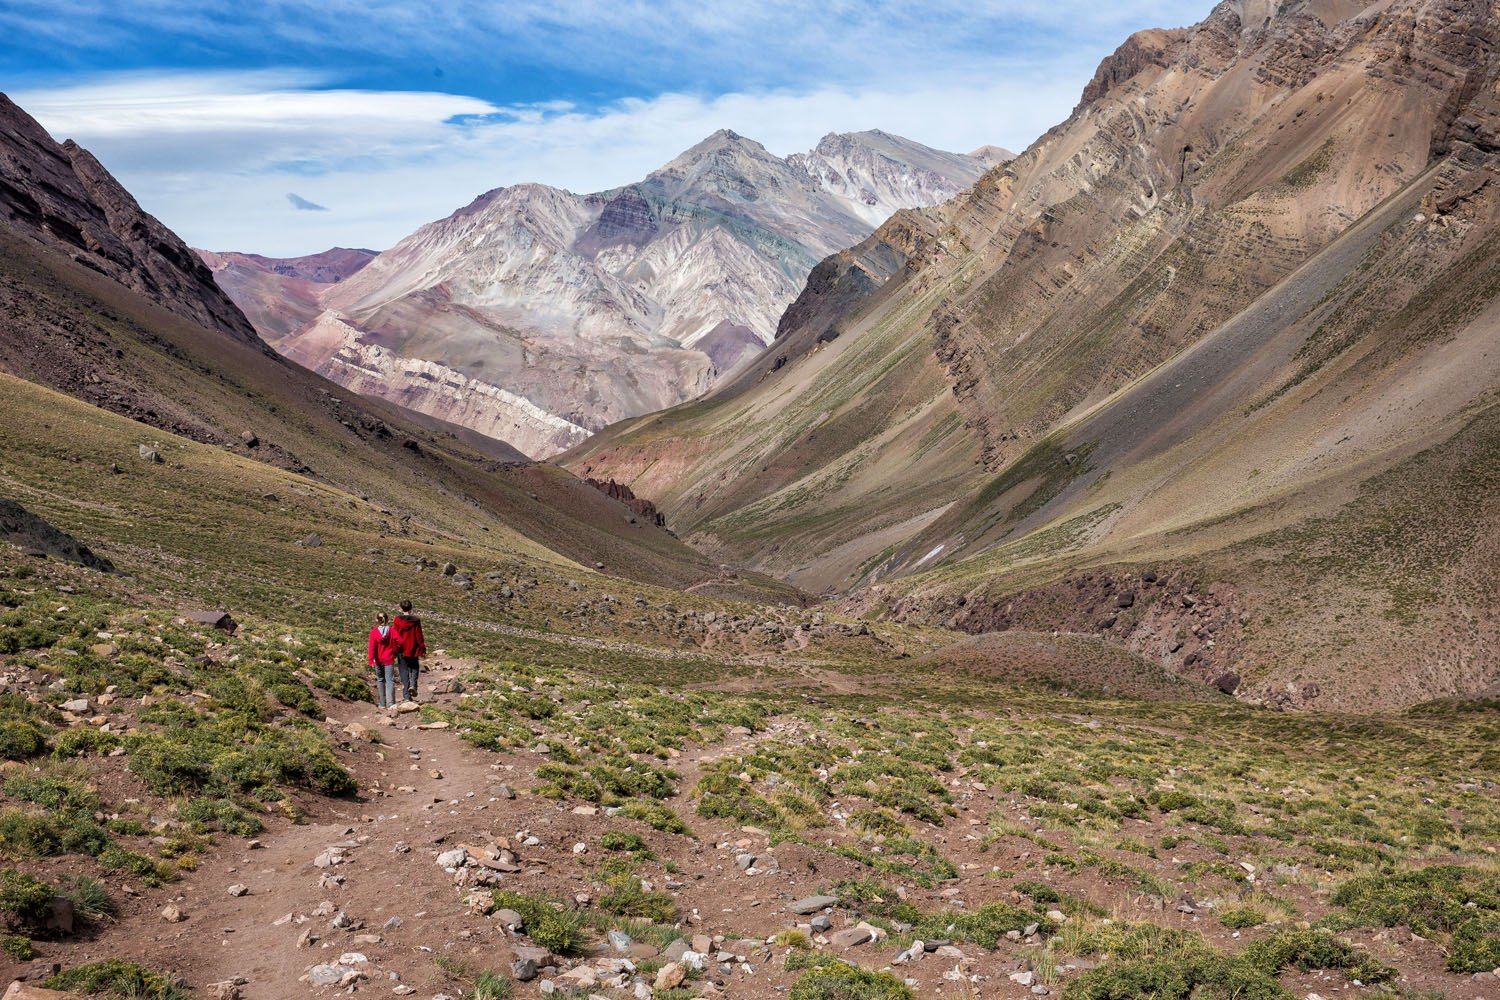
<point x="455" y="869"/>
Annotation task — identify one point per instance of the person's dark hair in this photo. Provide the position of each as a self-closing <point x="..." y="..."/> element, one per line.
<point x="380" y="618"/>
<point x="406" y="606"/>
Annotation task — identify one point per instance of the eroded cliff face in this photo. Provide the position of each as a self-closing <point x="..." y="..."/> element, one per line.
<point x="600" y="307"/>
<point x="340" y="352"/>
<point x="60" y="194"/>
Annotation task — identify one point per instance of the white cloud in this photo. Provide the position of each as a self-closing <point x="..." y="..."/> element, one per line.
<point x="212" y="155"/>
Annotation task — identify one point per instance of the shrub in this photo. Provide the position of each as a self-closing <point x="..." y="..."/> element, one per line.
<point x="219" y="814"/>
<point x="116" y="978"/>
<point x="1039" y="892"/>
<point x="25" y="834"/>
<point x="984" y="926"/>
<point x="552" y="928"/>
<point x="654" y="815"/>
<point x="1464" y="902"/>
<point x="18" y="947"/>
<point x="846" y="982"/>
<point x="1240" y="917"/>
<point x="25" y="900"/>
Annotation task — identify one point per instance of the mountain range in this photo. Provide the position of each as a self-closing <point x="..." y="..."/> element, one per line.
<point x="1209" y="369"/>
<point x="102" y="303"/>
<point x="537" y="316"/>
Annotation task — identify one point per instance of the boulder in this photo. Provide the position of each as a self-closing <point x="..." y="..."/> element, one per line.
<point x="812" y="904"/>
<point x="849" y="937"/>
<point x="21" y="991"/>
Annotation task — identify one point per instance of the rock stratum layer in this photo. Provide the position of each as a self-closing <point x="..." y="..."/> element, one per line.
<point x="540" y="315"/>
<point x="1233" y="324"/>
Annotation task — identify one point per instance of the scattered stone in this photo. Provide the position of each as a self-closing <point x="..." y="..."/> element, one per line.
<point x="78" y="706"/>
<point x="670" y="976"/>
<point x="149" y="454"/>
<point x="172" y="914"/>
<point x="851" y="937"/>
<point x="227" y="989"/>
<point x="220" y="620"/>
<point x="312" y="541"/>
<point x="239" y="889"/>
<point x="821" y="924"/>
<point x="812" y="904"/>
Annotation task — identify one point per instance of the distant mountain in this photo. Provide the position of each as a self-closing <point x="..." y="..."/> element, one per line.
<point x="282" y="294"/>
<point x="537" y="316"/>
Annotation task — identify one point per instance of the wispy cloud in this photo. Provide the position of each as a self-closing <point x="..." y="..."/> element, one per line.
<point x="412" y="110"/>
<point x="301" y="204"/>
<point x="210" y="155"/>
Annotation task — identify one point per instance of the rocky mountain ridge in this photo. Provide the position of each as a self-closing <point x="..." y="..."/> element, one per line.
<point x="1282" y="218"/>
<point x="593" y="308"/>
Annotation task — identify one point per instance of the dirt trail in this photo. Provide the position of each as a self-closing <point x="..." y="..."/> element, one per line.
<point x="453" y="792"/>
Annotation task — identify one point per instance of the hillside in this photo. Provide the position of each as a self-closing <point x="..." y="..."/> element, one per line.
<point x="67" y="322"/>
<point x="535" y="315"/>
<point x="1188" y="328"/>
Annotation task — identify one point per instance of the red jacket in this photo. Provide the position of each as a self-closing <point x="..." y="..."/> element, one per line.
<point x="382" y="648"/>
<point x="407" y="632"/>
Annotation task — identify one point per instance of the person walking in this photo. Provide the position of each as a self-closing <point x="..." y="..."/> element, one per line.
<point x="381" y="652"/>
<point x="410" y="648"/>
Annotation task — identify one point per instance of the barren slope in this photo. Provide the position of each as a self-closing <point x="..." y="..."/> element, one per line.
<point x="1252" y="270"/>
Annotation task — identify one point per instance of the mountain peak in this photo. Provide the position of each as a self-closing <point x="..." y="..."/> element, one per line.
<point x="724" y="138"/>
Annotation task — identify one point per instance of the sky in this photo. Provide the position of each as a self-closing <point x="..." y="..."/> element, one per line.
<point x="284" y="127"/>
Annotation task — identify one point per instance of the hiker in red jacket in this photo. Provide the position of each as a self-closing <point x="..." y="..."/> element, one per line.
<point x="410" y="648"/>
<point x="382" y="656"/>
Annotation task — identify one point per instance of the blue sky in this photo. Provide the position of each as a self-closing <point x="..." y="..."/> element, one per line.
<point x="286" y="127"/>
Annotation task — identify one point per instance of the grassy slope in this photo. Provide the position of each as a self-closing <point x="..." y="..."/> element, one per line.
<point x="73" y="329"/>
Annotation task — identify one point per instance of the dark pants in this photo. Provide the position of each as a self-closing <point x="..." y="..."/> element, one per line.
<point x="410" y="667"/>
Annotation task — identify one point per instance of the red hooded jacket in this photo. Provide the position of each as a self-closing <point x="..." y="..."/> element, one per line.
<point x="406" y="630"/>
<point x="382" y="648"/>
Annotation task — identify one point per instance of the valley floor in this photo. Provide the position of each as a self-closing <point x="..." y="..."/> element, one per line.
<point x="1049" y="814"/>
<point x="661" y="827"/>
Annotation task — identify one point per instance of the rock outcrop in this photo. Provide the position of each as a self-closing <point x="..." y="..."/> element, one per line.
<point x="61" y="195"/>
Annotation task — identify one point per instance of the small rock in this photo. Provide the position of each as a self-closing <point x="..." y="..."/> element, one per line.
<point x="670" y="976"/>
<point x="239" y="889"/>
<point x="172" y="915"/>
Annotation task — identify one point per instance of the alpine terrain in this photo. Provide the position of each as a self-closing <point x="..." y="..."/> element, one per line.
<point x="1090" y="590"/>
<point x="536" y="316"/>
<point x="1210" y="369"/>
